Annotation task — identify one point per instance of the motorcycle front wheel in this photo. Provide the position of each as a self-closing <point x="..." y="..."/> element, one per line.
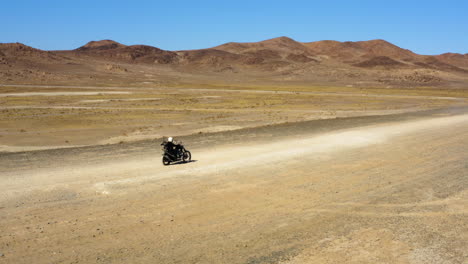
<point x="166" y="161"/>
<point x="187" y="156"/>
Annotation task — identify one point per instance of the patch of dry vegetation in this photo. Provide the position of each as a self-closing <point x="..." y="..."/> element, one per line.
<point x="77" y="119"/>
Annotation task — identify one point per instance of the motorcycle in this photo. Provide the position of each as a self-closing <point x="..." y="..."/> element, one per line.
<point x="180" y="153"/>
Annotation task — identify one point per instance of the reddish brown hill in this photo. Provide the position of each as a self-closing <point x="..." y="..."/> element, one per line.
<point x="380" y="61"/>
<point x="218" y="59"/>
<point x="21" y="63"/>
<point x="20" y="51"/>
<point x="18" y="48"/>
<point x="271" y="54"/>
<point x="380" y="53"/>
<point x="376" y="62"/>
<point x="380" y="47"/>
<point x="207" y="57"/>
<point x="457" y="59"/>
<point x="432" y="62"/>
<point x="268" y="54"/>
<point x="25" y="56"/>
<point x="357" y="51"/>
<point x="264" y="54"/>
<point x="101" y="45"/>
<point x="108" y="49"/>
<point x="281" y="46"/>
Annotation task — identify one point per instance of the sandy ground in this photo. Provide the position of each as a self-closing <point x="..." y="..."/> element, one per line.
<point x="381" y="189"/>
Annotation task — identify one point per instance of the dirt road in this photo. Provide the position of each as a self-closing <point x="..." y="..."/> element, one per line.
<point x="359" y="190"/>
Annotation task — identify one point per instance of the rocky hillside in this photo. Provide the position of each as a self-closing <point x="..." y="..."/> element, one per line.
<point x="374" y="62"/>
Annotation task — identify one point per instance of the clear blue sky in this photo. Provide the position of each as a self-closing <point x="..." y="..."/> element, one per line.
<point x="426" y="27"/>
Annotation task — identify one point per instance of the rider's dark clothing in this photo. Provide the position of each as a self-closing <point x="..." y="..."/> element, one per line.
<point x="171" y="148"/>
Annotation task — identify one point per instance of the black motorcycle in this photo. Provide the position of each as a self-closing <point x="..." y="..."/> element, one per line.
<point x="177" y="154"/>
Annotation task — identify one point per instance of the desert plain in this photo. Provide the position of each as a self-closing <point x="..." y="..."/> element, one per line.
<point x="285" y="171"/>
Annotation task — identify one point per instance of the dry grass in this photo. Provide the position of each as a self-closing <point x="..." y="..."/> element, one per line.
<point x="154" y="112"/>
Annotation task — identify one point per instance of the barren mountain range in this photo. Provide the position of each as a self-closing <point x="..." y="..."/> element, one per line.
<point x="279" y="60"/>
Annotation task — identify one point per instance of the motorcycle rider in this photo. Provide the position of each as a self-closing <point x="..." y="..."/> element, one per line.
<point x="170" y="147"/>
<point x="174" y="152"/>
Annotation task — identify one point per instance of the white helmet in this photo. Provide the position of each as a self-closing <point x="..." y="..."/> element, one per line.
<point x="169" y="139"/>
